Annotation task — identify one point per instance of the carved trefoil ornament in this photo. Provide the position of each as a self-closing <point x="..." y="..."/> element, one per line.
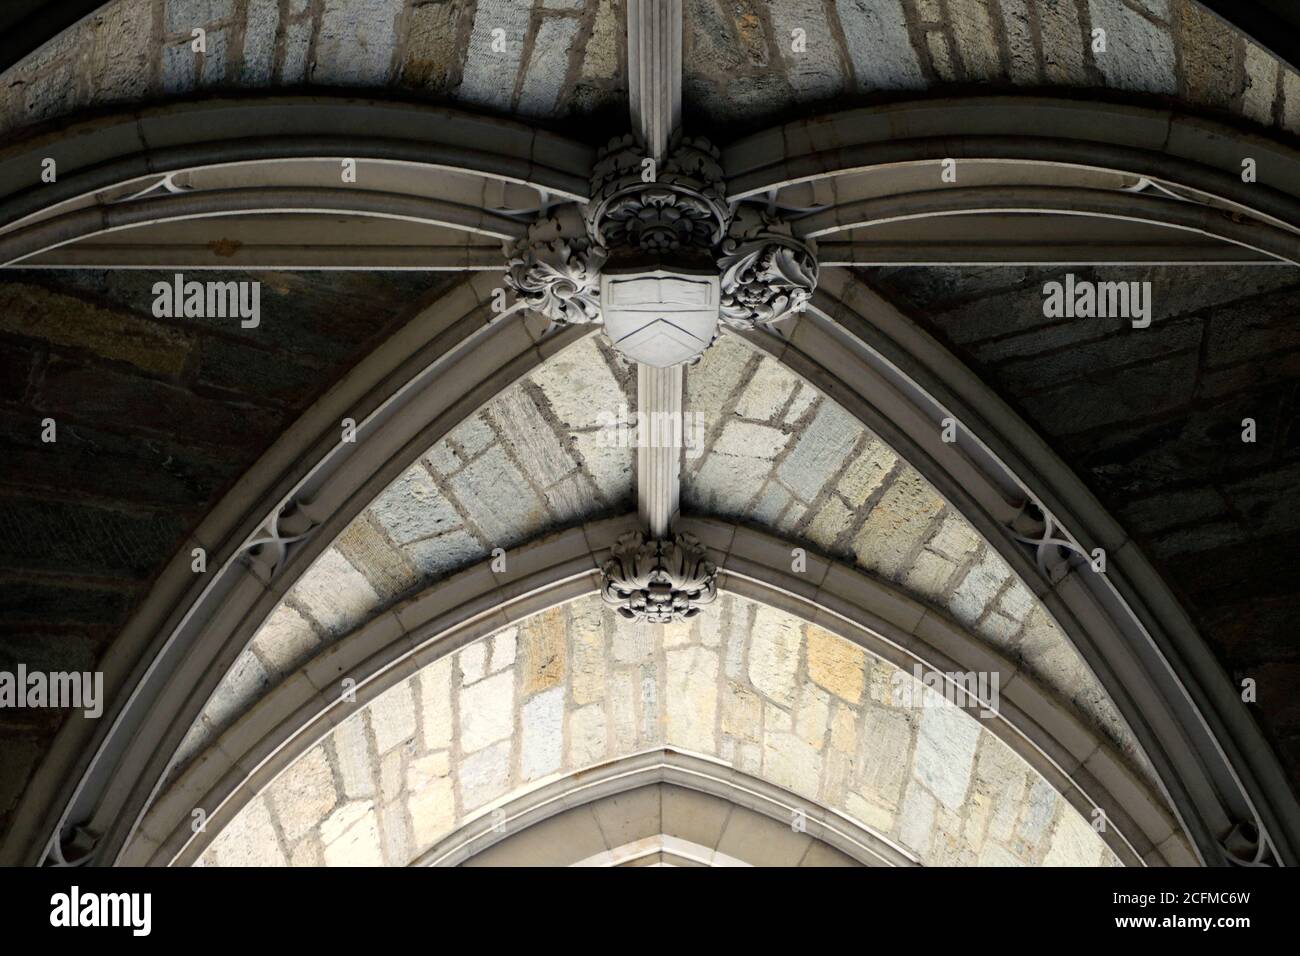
<point x="765" y="272"/>
<point x="658" y="581"/>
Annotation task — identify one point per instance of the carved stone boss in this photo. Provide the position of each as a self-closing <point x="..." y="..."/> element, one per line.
<point x="660" y="257"/>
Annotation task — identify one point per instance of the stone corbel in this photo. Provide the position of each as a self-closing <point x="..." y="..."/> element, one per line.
<point x="556" y="270"/>
<point x="658" y="581"/>
<point x="766" y="273"/>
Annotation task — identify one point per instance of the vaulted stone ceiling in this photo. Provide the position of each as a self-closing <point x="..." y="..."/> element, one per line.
<point x="575" y="688"/>
<point x="1154" y="423"/>
<point x="165" y="415"/>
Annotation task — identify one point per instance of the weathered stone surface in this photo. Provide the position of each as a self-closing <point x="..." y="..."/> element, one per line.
<point x="1062" y="42"/>
<point x="286" y="640"/>
<point x="392" y="717"/>
<point x="338" y="595"/>
<point x="487" y="711"/>
<point x="836" y="664"/>
<point x="542" y="651"/>
<point x="878" y="44"/>
<point x="692" y="698"/>
<point x="435" y="704"/>
<point x="547" y="66"/>
<point x="430" y="801"/>
<point x="897" y="524"/>
<point x="484" y="776"/>
<point x="351" y="836"/>
<point x="542" y="723"/>
<point x="355" y="758"/>
<point x="922" y="772"/>
<point x="774" y="655"/>
<point x="413" y="508"/>
<point x="587" y="735"/>
<point x="1139" y="55"/>
<point x="432" y="57"/>
<point x="32" y="312"/>
<point x="820" y="451"/>
<point x="249" y="840"/>
<point x="354" y="42"/>
<point x="815" y="71"/>
<point x="303" y="794"/>
<point x="492" y="61"/>
<point x="945" y="751"/>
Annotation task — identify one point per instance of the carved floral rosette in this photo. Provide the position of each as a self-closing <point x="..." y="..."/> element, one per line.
<point x="658" y="581"/>
<point x="766" y="273"/>
<point x="683" y="207"/>
<point x="557" y="273"/>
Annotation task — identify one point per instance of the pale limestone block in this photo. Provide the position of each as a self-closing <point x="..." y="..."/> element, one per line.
<point x="929" y="574"/>
<point x="431" y="805"/>
<point x="503" y="649"/>
<point x="435" y="704"/>
<point x="945" y="751"/>
<point x="350" y="836"/>
<point x="844" y="729"/>
<point x="692" y="698"/>
<point x="541" y="651"/>
<point x="916" y="820"/>
<point x="249" y="840"/>
<point x="791" y="762"/>
<point x="980" y="586"/>
<point x="587" y="736"/>
<point x="355" y="761"/>
<point x="392" y="716"/>
<point x="742" y="712"/>
<point x="836" y="664"/>
<point x="768" y="390"/>
<point x="954" y="539"/>
<point x="483" y="776"/>
<point x="487" y="711"/>
<point x="303" y="794"/>
<point x="285" y="640"/>
<point x="897" y="524"/>
<point x="866" y="473"/>
<point x="472" y="661"/>
<point x="1037" y="811"/>
<point x="335" y="593"/>
<point x="812" y="715"/>
<point x="542" y="734"/>
<point x="709" y="624"/>
<point x="774" y="654"/>
<point x="1074" y="843"/>
<point x="587" y="682"/>
<point x="622" y="703"/>
<point x="884" y="756"/>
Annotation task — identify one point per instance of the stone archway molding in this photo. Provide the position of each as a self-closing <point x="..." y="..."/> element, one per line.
<point x="557" y="568"/>
<point x="1108" y="161"/>
<point x="443" y="366"/>
<point x="542" y="819"/>
<point x="1220" y="775"/>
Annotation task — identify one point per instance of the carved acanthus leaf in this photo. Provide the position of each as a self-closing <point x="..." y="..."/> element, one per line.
<point x="766" y="273"/>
